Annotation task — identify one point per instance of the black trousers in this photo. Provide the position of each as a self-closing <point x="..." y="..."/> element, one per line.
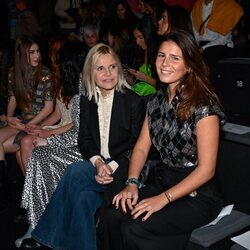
<point x="167" y="229"/>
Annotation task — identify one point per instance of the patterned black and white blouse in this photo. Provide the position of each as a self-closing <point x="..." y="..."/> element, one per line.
<point x="176" y="140"/>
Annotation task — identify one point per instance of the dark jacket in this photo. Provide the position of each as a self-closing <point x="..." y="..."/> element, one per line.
<point x="127" y="116"/>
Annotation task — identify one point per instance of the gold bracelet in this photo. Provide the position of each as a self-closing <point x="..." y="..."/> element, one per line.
<point x="169" y="197"/>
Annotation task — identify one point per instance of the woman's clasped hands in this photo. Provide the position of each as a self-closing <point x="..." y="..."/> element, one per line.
<point x="104" y="172"/>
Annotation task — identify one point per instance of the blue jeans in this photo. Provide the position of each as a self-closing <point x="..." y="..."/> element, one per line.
<point x="68" y="222"/>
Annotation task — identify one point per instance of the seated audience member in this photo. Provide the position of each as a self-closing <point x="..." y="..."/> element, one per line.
<point x="146" y="7"/>
<point x="120" y="12"/>
<point x="84" y="14"/>
<point x="26" y="144"/>
<point x="118" y="39"/>
<point x="182" y="122"/>
<point x="98" y="8"/>
<point x="27" y="25"/>
<point x="30" y="89"/>
<point x="110" y="122"/>
<point x="173" y="18"/>
<point x="213" y="22"/>
<point x="89" y="33"/>
<point x="52" y="155"/>
<point x="140" y="73"/>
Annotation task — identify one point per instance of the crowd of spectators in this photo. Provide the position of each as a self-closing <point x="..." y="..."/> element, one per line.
<point x="134" y="29"/>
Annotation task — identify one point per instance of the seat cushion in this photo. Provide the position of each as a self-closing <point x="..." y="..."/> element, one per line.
<point x="237" y="247"/>
<point x="207" y="236"/>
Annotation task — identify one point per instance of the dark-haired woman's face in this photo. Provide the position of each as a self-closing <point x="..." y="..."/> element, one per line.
<point x="170" y="64"/>
<point x="121" y="11"/>
<point x="140" y="41"/>
<point x="163" y="24"/>
<point x="34" y="55"/>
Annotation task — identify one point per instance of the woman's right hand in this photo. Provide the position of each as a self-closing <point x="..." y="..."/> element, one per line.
<point x="127" y="197"/>
<point x="15" y="123"/>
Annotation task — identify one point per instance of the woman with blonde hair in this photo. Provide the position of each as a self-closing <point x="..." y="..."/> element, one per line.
<point x="110" y="121"/>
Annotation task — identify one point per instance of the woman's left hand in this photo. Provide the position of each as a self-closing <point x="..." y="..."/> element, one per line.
<point x="43" y="133"/>
<point x="149" y="206"/>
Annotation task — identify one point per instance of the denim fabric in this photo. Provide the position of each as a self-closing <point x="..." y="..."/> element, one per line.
<point x="69" y="219"/>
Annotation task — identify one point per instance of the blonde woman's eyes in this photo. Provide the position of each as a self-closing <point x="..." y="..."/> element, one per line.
<point x="100" y="68"/>
<point x="113" y="66"/>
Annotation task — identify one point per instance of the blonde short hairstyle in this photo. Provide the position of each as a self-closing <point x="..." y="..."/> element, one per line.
<point x="89" y="66"/>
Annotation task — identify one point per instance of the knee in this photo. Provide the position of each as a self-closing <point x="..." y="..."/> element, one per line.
<point x="26" y="142"/>
<point x="77" y="171"/>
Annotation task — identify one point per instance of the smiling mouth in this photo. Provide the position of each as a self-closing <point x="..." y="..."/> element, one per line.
<point x="166" y="72"/>
<point x="108" y="80"/>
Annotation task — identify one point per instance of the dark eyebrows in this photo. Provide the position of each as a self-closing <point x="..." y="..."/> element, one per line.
<point x="161" y="53"/>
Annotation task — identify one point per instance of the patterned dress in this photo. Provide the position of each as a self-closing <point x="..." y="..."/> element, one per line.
<point x="46" y="166"/>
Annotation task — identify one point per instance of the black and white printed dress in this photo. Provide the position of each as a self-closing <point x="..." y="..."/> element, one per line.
<point x="46" y="166"/>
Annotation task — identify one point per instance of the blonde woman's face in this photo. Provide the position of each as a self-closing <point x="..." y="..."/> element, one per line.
<point x="163" y="24"/>
<point x="34" y="55"/>
<point x="106" y="73"/>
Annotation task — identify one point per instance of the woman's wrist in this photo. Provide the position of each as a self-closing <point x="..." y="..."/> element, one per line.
<point x="136" y="181"/>
<point x="99" y="162"/>
<point x="168" y="196"/>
